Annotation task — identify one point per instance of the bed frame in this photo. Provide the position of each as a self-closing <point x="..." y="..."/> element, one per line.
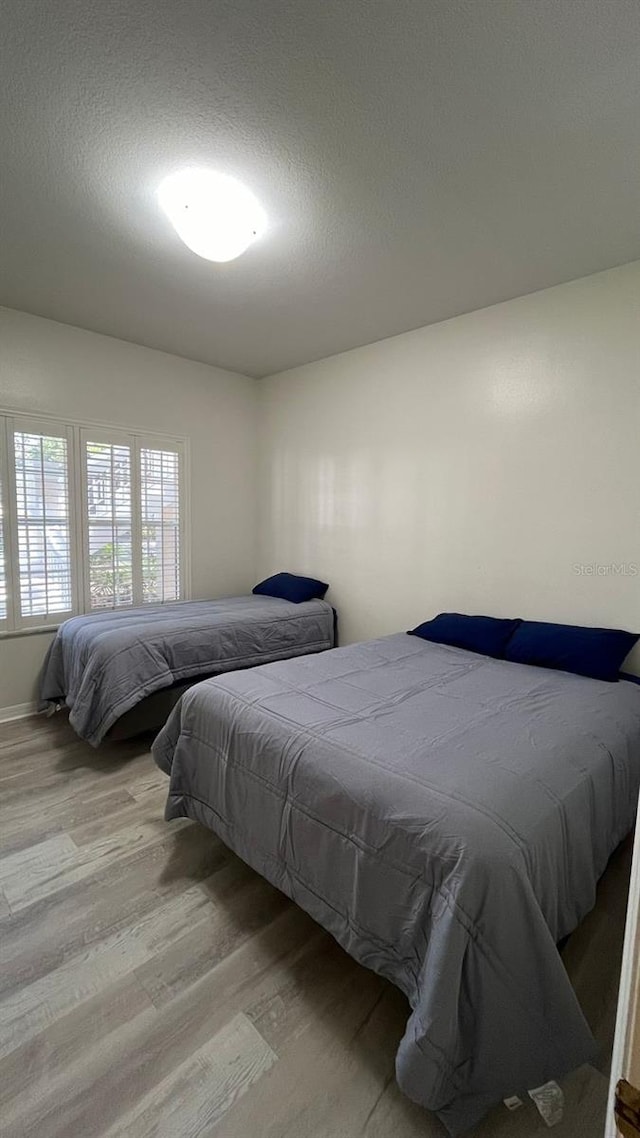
<point x="151" y="714"/>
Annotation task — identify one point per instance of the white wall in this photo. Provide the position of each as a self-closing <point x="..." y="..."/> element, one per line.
<point x="469" y="466"/>
<point x="51" y="368"/>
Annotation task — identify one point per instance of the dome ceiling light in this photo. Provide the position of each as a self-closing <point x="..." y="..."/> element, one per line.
<point x="215" y="215"/>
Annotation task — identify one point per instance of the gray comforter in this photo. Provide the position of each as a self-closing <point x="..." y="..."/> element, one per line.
<point x="103" y="664"/>
<point x="445" y="816"/>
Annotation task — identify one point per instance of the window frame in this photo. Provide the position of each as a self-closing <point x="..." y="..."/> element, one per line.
<point x="78" y="433"/>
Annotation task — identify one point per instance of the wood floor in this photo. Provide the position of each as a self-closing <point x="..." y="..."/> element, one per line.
<point x="152" y="986"/>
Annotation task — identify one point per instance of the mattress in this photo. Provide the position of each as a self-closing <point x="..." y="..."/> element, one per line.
<point x="445" y="816"/>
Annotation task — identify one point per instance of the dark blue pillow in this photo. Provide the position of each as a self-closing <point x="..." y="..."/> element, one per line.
<point x="289" y="587"/>
<point x="594" y="652"/>
<point x="487" y="635"/>
<point x="629" y="677"/>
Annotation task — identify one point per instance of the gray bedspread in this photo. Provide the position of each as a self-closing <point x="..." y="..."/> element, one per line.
<point x="445" y="816"/>
<point x="103" y="664"/>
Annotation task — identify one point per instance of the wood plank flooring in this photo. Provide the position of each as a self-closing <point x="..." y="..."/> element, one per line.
<point x="153" y="986"/>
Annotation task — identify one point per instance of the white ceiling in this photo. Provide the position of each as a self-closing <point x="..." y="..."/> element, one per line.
<point x="416" y="158"/>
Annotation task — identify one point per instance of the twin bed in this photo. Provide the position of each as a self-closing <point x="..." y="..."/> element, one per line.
<point x="444" y="814"/>
<point x="105" y="664"/>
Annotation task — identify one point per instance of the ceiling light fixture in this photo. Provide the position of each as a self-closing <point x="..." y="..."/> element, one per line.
<point x="215" y="215"/>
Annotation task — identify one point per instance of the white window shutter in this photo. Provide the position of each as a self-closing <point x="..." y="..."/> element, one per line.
<point x="160" y="509"/>
<point x="91" y="518"/>
<point x="109" y="524"/>
<point x="42" y="512"/>
<point x="4" y="550"/>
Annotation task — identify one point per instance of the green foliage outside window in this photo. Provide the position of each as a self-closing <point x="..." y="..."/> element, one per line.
<point x="111" y="572"/>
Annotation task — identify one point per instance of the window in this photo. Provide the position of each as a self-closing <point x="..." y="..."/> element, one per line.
<point x="3" y="547"/>
<point x="90" y="519"/>
<point x="3" y="575"/>
<point x="109" y="518"/>
<point x="43" y="524"/>
<point x="159" y="484"/>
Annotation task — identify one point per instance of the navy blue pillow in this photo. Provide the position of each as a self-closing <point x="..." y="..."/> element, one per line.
<point x="487" y="635"/>
<point x="289" y="587"/>
<point x="594" y="652"/>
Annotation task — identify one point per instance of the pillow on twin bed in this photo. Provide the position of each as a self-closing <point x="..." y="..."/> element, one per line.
<point x="487" y="635"/>
<point x="289" y="587"/>
<point x="594" y="652"/>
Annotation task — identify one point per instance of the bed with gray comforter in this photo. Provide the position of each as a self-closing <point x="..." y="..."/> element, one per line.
<point x="445" y="816"/>
<point x="103" y="664"/>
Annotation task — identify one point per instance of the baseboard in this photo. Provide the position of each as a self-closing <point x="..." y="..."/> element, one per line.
<point x="18" y="711"/>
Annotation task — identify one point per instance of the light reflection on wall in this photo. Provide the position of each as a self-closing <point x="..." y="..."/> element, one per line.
<point x="327" y="505"/>
<point x="520" y="388"/>
<point x="342" y="490"/>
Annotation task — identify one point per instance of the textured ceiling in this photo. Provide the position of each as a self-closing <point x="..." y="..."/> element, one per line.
<point x="416" y="158"/>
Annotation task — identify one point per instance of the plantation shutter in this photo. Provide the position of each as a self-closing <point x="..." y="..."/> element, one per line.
<point x="160" y="510"/>
<point x="4" y="544"/>
<point x="109" y="524"/>
<point x="91" y="519"/>
<point x="42" y="523"/>
<point x="132" y="522"/>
